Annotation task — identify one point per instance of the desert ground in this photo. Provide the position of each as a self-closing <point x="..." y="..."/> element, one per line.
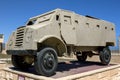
<point x="71" y="66"/>
<point x="115" y="58"/>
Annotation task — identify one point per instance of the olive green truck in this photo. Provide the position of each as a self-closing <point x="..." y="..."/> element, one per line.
<point x="59" y="33"/>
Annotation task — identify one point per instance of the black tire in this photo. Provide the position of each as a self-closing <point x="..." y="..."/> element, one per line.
<point x="46" y="62"/>
<point x="105" y="56"/>
<point x="19" y="62"/>
<point x="81" y="56"/>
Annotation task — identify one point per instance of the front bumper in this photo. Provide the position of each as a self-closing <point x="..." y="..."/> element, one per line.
<point x="21" y="52"/>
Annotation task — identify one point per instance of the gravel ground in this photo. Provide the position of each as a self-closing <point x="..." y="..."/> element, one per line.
<point x="114" y="58"/>
<point x="69" y="66"/>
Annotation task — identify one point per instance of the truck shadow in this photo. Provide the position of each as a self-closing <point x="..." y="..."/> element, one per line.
<point x="71" y="67"/>
<point x="63" y="66"/>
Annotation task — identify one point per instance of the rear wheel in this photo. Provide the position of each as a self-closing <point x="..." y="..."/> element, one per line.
<point x="19" y="62"/>
<point x="81" y="56"/>
<point x="105" y="55"/>
<point x="46" y="62"/>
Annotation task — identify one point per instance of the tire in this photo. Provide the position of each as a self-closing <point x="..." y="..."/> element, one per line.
<point x="105" y="56"/>
<point x="46" y="62"/>
<point x="19" y="62"/>
<point x="81" y="56"/>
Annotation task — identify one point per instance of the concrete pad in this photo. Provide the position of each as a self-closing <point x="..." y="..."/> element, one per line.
<point x="2" y="65"/>
<point x="68" y="71"/>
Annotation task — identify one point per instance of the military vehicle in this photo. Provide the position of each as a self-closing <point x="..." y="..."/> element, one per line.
<point x="59" y="33"/>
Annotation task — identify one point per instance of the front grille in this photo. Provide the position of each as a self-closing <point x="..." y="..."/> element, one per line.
<point x="19" y="36"/>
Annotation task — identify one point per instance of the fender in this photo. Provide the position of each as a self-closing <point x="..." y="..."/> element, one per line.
<point x="61" y="46"/>
<point x="49" y="36"/>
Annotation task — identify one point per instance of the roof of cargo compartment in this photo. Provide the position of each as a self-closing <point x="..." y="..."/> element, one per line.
<point x="92" y="17"/>
<point x="58" y="10"/>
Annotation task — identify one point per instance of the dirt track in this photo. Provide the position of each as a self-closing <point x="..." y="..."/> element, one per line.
<point x="114" y="59"/>
<point x="68" y="67"/>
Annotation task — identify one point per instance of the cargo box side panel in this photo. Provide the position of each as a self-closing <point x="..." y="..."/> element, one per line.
<point x="92" y="32"/>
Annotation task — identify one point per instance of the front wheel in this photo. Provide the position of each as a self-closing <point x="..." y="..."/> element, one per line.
<point x="46" y="62"/>
<point x="105" y="55"/>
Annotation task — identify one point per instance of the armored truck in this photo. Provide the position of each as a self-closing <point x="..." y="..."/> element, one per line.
<point x="59" y="33"/>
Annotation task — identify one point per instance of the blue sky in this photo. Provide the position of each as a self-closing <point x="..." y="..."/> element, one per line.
<point x="14" y="13"/>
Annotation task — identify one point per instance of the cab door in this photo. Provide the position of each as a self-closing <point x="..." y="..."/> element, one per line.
<point x="68" y="30"/>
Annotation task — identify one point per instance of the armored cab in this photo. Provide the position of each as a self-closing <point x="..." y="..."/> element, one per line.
<point x="59" y="33"/>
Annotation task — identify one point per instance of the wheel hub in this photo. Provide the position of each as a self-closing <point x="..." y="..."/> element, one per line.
<point x="106" y="55"/>
<point x="48" y="61"/>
